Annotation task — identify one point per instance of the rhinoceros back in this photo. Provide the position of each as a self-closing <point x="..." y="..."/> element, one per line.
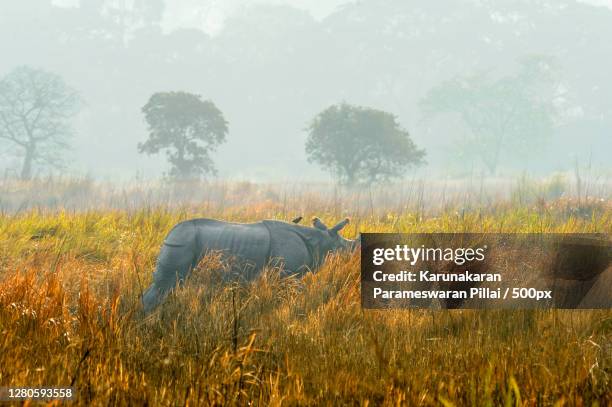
<point x="289" y="246"/>
<point x="247" y="246"/>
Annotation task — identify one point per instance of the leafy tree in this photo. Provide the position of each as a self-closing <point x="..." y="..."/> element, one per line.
<point x="35" y="108"/>
<point x="513" y="115"/>
<point x="360" y="145"/>
<point x="188" y="128"/>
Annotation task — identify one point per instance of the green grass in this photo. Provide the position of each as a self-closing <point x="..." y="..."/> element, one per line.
<point x="70" y="284"/>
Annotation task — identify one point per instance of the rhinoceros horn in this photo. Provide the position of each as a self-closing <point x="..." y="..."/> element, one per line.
<point x="340" y="225"/>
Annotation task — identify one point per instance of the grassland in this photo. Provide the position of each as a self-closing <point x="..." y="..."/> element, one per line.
<point x="71" y="280"/>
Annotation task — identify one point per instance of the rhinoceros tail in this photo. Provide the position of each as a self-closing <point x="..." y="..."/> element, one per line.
<point x="176" y="259"/>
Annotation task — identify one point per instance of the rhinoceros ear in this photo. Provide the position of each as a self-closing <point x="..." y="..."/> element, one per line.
<point x="297" y="220"/>
<point x="316" y="222"/>
<point x="340" y="225"/>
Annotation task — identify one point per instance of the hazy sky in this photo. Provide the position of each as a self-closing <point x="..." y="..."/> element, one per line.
<point x="210" y="14"/>
<point x="269" y="87"/>
<point x="180" y="13"/>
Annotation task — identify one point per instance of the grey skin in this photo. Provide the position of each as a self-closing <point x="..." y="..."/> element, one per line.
<point x="250" y="247"/>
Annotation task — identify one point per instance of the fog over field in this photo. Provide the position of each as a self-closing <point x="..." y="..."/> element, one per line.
<point x="487" y="88"/>
<point x="189" y="190"/>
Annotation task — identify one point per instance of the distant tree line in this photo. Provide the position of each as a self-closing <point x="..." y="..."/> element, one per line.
<point x="513" y="115"/>
<point x="356" y="144"/>
<point x="383" y="54"/>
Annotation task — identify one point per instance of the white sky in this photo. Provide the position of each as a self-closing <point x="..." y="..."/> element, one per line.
<point x="180" y="13"/>
<point x="212" y="13"/>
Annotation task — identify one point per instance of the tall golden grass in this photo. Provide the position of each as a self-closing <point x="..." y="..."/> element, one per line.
<point x="70" y="315"/>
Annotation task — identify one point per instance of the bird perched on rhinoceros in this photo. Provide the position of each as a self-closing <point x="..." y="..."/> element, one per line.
<point x="251" y="246"/>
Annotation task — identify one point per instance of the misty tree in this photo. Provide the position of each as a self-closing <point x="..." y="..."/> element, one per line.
<point x="137" y="14"/>
<point x="187" y="128"/>
<point x="512" y="116"/>
<point x="360" y="145"/>
<point x="35" y="111"/>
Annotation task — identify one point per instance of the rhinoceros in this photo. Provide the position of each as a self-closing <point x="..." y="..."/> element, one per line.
<point x="252" y="246"/>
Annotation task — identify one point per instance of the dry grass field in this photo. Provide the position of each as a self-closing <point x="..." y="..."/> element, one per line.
<point x="71" y="281"/>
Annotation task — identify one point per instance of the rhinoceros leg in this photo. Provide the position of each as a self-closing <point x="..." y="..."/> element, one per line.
<point x="176" y="259"/>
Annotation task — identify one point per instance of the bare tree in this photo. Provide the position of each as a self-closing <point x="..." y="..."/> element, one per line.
<point x="35" y="108"/>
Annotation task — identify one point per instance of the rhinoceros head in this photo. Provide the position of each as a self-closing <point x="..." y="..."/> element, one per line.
<point x="333" y="241"/>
